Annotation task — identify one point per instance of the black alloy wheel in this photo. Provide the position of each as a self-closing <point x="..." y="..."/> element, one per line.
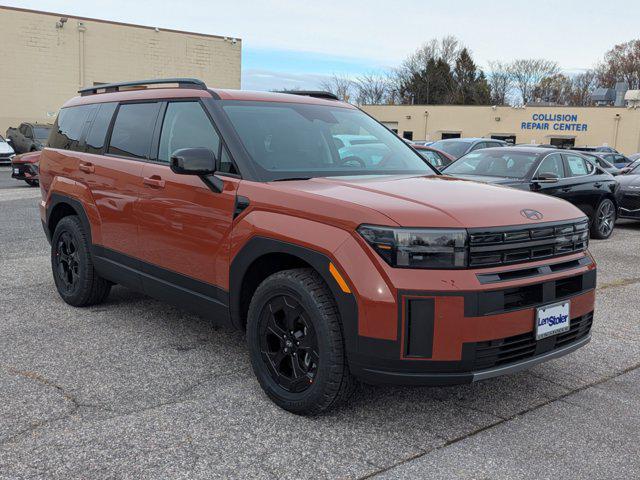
<point x="604" y="221"/>
<point x="72" y="265"/>
<point x="297" y="350"/>
<point x="288" y="343"/>
<point x="66" y="262"/>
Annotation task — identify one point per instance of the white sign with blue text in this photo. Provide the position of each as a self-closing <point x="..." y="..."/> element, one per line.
<point x="552" y="319"/>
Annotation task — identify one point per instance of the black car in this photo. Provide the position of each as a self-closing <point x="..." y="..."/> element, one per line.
<point x="457" y="147"/>
<point x="629" y="194"/>
<point x="600" y="160"/>
<point x="564" y="174"/>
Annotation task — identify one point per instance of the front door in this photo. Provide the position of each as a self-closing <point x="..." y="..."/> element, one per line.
<point x="553" y="165"/>
<point x="184" y="226"/>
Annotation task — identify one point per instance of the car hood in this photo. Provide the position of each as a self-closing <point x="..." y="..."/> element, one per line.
<point x="5" y="148"/>
<point x="437" y="201"/>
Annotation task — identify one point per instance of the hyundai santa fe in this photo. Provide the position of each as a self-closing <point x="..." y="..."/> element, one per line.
<point x="238" y="206"/>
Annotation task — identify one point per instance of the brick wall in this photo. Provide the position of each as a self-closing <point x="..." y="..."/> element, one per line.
<point x="42" y="64"/>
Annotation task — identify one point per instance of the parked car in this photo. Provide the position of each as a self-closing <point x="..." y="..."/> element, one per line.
<point x="564" y="174"/>
<point x="29" y="137"/>
<point x="616" y="159"/>
<point x="435" y="157"/>
<point x="634" y="157"/>
<point x="457" y="147"/>
<point x="631" y="166"/>
<point x="351" y="140"/>
<point x="600" y="149"/>
<point x="422" y="143"/>
<point x="25" y="167"/>
<point x="600" y="160"/>
<point x="540" y="145"/>
<point x="629" y="197"/>
<point x="238" y="206"/>
<point x="6" y="152"/>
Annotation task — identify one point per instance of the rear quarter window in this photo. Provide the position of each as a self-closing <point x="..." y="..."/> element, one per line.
<point x="98" y="131"/>
<point x="67" y="130"/>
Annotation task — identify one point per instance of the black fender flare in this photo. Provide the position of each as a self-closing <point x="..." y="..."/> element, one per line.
<point x="259" y="246"/>
<point x="56" y="199"/>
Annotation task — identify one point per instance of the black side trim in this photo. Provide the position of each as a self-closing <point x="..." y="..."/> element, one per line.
<point x="259" y="246"/>
<point x="419" y="323"/>
<point x="241" y="204"/>
<point x="205" y="299"/>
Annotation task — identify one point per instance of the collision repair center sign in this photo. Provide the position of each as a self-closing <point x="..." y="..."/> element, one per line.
<point x="561" y="122"/>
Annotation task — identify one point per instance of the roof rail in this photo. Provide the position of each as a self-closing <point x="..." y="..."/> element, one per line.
<point x="311" y="93"/>
<point x="115" y="87"/>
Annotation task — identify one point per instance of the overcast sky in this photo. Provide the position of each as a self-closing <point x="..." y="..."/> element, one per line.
<point x="288" y="43"/>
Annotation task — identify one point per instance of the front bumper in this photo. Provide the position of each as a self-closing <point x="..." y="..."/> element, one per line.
<point x="453" y="335"/>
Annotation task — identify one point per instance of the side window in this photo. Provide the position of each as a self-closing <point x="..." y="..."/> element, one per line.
<point x="552" y="164"/>
<point x="226" y="164"/>
<point x="23" y="129"/>
<point x="68" y="127"/>
<point x="578" y="166"/>
<point x="133" y="129"/>
<point x="620" y="159"/>
<point x="479" y="146"/>
<point x="186" y="126"/>
<point x="97" y="134"/>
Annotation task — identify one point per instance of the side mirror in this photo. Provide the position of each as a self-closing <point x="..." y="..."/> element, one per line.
<point x="194" y="161"/>
<point x="547" y="178"/>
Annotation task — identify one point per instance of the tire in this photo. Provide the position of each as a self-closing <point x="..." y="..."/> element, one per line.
<point x="32" y="183"/>
<point x="323" y="381"/>
<point x="76" y="280"/>
<point x="604" y="220"/>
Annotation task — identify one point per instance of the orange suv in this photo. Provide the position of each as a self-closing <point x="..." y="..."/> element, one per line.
<point x="242" y="207"/>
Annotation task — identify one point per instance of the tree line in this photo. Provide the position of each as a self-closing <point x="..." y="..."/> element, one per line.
<point x="442" y="71"/>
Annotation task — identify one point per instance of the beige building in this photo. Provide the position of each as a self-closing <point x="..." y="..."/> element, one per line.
<point x="46" y="57"/>
<point x="561" y="126"/>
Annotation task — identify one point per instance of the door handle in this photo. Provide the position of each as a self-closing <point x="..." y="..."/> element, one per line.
<point x="86" y="167"/>
<point x="566" y="189"/>
<point x="154" y="181"/>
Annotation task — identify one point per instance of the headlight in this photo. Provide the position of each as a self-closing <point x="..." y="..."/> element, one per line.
<point x="418" y="247"/>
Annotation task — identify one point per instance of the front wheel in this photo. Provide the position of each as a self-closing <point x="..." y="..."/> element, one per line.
<point x="604" y="220"/>
<point x="296" y="344"/>
<point x="32" y="183"/>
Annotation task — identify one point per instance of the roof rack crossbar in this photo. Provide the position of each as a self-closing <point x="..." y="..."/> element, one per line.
<point x="115" y="87"/>
<point x="312" y="93"/>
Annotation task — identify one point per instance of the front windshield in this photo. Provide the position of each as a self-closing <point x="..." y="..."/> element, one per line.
<point x="41" y="133"/>
<point x="293" y="140"/>
<point x="497" y="163"/>
<point x="452" y="147"/>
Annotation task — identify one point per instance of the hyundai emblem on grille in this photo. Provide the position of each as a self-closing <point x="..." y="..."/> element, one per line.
<point x="531" y="214"/>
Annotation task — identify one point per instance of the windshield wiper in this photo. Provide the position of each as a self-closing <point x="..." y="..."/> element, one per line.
<point x="287" y="179"/>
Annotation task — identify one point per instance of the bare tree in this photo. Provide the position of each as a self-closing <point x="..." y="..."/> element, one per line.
<point x="340" y="85"/>
<point x="371" y="89"/>
<point x="582" y="86"/>
<point x="621" y="63"/>
<point x="529" y="72"/>
<point x="501" y="82"/>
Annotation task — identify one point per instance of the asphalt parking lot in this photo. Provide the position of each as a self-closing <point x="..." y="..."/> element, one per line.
<point x="134" y="388"/>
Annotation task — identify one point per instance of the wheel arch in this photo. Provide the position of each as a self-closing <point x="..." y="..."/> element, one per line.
<point x="261" y="257"/>
<point x="60" y="206"/>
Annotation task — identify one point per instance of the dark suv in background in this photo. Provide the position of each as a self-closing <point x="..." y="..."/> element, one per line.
<point x="457" y="147"/>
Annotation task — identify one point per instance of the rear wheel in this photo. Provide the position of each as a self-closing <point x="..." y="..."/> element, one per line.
<point x="76" y="280"/>
<point x="296" y="344"/>
<point x="603" y="220"/>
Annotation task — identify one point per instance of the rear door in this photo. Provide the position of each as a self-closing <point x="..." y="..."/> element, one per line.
<point x="588" y="186"/>
<point x="184" y="225"/>
<point x="112" y="166"/>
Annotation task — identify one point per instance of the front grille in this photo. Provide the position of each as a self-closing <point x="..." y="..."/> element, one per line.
<point x="489" y="247"/>
<point x="504" y="351"/>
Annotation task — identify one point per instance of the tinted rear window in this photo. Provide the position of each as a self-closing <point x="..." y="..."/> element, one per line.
<point x="98" y="132"/>
<point x="493" y="163"/>
<point x="68" y="127"/>
<point x="133" y="129"/>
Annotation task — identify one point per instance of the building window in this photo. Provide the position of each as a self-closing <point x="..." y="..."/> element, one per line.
<point x="563" y="142"/>
<point x="407" y="135"/>
<point x="446" y="135"/>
